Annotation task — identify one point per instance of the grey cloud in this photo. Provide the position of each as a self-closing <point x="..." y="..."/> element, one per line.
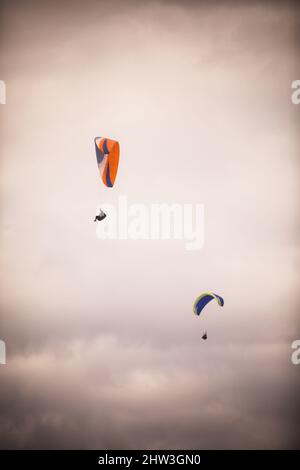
<point x="110" y="394"/>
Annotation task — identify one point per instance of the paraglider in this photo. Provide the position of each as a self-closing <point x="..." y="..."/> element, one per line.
<point x="107" y="154"/>
<point x="100" y="217"/>
<point x="202" y="301"/>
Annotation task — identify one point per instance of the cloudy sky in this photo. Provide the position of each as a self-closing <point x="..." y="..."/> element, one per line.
<point x="103" y="350"/>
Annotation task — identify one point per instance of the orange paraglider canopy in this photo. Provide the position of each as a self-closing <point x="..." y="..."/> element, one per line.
<point x="107" y="153"/>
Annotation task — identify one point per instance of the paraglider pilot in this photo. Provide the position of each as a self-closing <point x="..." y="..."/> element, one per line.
<point x="100" y="217"/>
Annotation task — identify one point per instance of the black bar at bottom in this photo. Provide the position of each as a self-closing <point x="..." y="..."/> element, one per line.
<point x="145" y="458"/>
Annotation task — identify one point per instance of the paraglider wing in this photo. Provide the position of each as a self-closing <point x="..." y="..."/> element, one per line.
<point x="203" y="300"/>
<point x="107" y="153"/>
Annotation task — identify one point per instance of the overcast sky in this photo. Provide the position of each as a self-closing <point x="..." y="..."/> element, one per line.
<point x="103" y="349"/>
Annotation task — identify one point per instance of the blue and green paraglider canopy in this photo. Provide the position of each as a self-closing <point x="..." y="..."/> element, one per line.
<point x="204" y="299"/>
